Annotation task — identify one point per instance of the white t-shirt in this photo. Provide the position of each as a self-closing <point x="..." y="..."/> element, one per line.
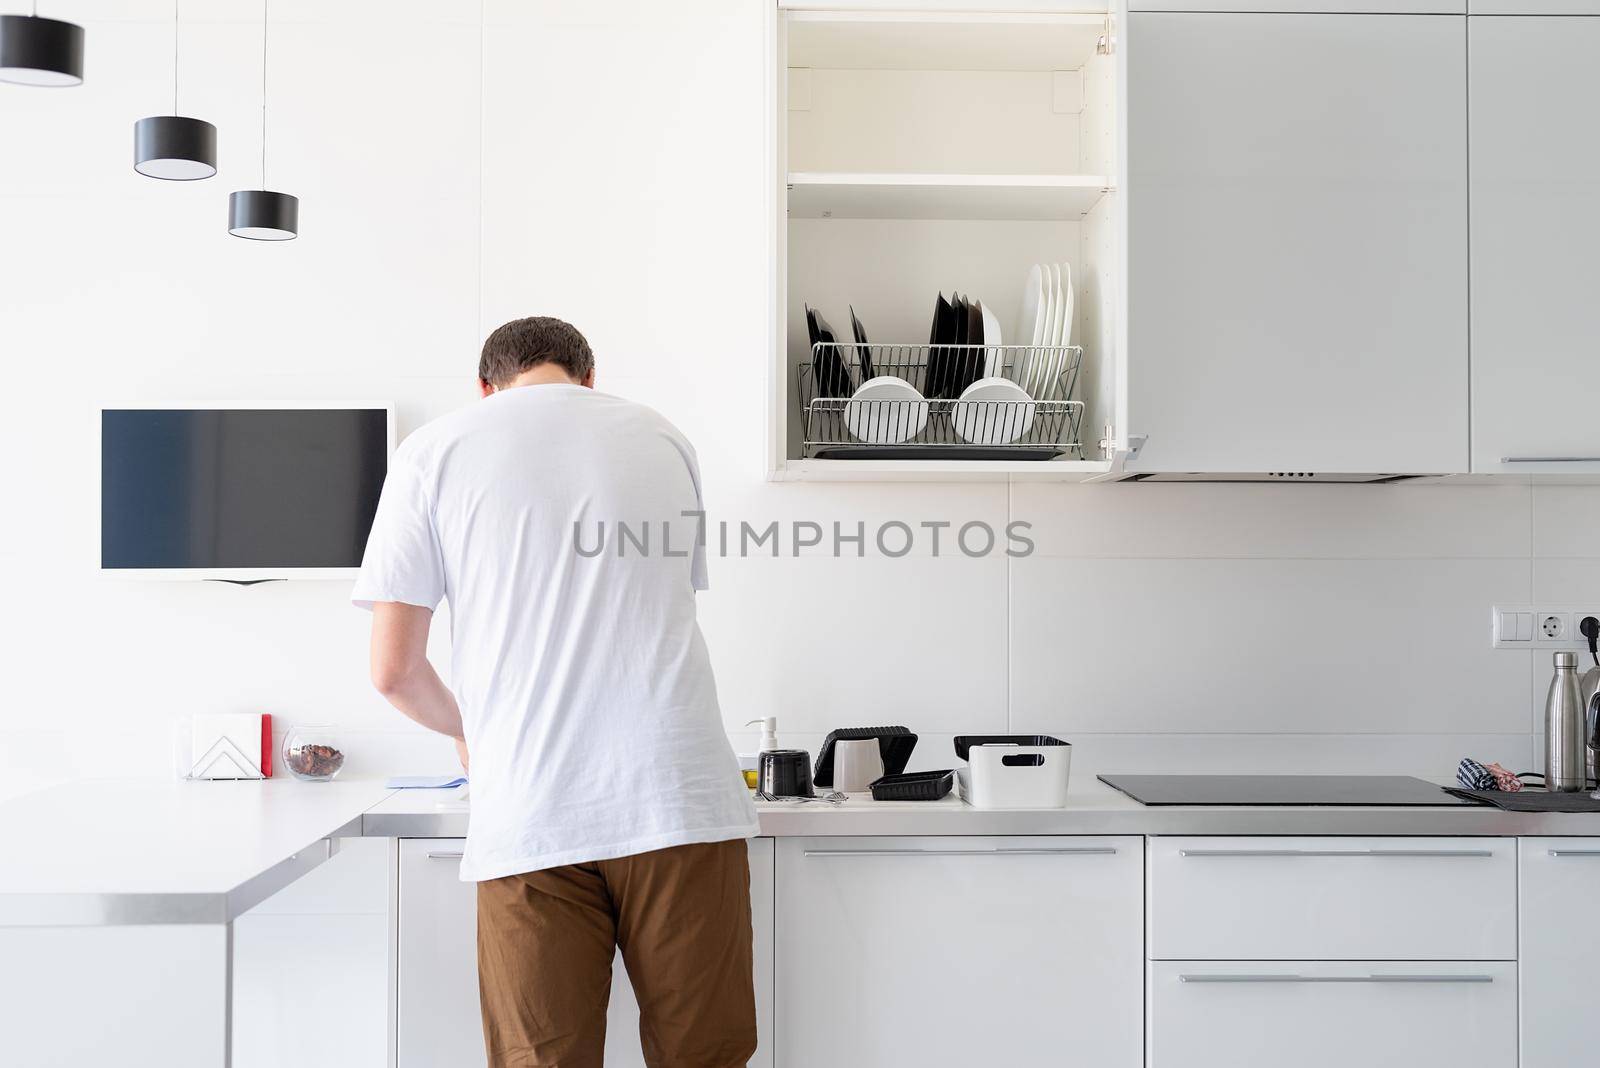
<point x="585" y="688"/>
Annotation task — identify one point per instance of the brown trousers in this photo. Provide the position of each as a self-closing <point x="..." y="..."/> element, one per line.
<point x="681" y="918"/>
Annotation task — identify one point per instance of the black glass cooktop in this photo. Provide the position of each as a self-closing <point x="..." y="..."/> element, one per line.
<point x="1373" y="790"/>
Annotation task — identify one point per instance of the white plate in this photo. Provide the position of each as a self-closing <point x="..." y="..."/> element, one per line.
<point x="1053" y="332"/>
<point x="1045" y="333"/>
<point x="1067" y="303"/>
<point x="1030" y="328"/>
<point x="879" y="423"/>
<point x="993" y="411"/>
<point x="1049" y="388"/>
<point x="994" y="361"/>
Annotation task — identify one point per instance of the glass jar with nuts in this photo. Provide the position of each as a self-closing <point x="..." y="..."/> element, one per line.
<point x="313" y="753"/>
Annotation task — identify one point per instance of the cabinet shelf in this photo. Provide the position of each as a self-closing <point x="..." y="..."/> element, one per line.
<point x="821" y="195"/>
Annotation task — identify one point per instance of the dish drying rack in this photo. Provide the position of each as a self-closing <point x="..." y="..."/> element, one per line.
<point x="1042" y="428"/>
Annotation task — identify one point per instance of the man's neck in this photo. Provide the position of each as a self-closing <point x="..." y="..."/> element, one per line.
<point x="546" y="374"/>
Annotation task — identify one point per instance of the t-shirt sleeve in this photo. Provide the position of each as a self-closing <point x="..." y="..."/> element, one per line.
<point x="403" y="561"/>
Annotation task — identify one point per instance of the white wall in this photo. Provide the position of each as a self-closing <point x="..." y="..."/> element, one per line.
<point x="607" y="163"/>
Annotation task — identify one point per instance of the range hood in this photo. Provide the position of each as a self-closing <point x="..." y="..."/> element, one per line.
<point x="1265" y="476"/>
<point x="1123" y="456"/>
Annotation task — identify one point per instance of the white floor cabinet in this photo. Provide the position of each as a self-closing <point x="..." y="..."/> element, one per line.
<point x="1560" y="946"/>
<point x="959" y="951"/>
<point x="1297" y="242"/>
<point x="438" y="1022"/>
<point x="1535" y="228"/>
<point x="1326" y="952"/>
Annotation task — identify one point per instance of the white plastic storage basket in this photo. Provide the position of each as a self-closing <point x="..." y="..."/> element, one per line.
<point x="1013" y="771"/>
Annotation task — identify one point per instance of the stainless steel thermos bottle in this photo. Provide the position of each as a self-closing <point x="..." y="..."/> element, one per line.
<point x="1565" y="757"/>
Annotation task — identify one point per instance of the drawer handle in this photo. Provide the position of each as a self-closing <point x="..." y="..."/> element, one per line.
<point x="1575" y="852"/>
<point x="1080" y="851"/>
<point x="1335" y="978"/>
<point x="445" y="856"/>
<point x="1336" y="852"/>
<point x="1549" y="459"/>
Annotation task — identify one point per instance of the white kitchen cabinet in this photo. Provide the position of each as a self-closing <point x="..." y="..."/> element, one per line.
<point x="1535" y="228"/>
<point x="1332" y="898"/>
<point x="1268" y="1014"/>
<point x="1559" y="948"/>
<point x="935" y="148"/>
<point x="1297" y="243"/>
<point x="959" y="951"/>
<point x="438" y="1021"/>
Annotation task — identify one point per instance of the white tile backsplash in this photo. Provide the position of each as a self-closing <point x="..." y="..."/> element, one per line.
<point x="1263" y="645"/>
<point x="1279" y="521"/>
<point x="1566" y="521"/>
<point x="824" y="643"/>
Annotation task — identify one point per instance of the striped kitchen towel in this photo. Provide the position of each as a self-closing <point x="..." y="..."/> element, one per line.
<point x="1475" y="776"/>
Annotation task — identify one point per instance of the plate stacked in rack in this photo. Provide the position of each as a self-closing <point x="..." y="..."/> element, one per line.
<point x="1046" y="328"/>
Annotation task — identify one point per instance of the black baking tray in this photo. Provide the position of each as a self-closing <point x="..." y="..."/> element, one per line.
<point x="964" y="742"/>
<point x="934" y="452"/>
<point x="894" y="745"/>
<point x="913" y="786"/>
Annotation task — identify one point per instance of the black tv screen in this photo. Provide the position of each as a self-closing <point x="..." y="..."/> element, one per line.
<point x="246" y="488"/>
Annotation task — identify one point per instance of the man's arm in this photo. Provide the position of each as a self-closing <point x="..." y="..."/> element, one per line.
<point x="402" y="673"/>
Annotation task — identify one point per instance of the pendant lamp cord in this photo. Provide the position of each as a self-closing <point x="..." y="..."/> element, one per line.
<point x="174" y="57"/>
<point x="263" y="94"/>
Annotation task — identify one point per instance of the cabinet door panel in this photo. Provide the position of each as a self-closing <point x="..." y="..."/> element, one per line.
<point x="1262" y="1014"/>
<point x="958" y="951"/>
<point x="439" y="1022"/>
<point x="1297" y="242"/>
<point x="1559" y="947"/>
<point x="1535" y="228"/>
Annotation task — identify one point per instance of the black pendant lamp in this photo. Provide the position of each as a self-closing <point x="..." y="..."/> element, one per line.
<point x="36" y="51"/>
<point x="260" y="214"/>
<point x="175" y="147"/>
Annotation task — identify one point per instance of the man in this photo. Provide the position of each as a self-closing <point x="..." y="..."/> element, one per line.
<point x="608" y="810"/>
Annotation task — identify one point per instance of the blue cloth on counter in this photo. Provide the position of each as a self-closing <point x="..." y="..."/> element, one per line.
<point x="425" y="782"/>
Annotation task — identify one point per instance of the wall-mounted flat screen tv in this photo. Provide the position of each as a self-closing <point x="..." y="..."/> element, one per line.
<point x="240" y="493"/>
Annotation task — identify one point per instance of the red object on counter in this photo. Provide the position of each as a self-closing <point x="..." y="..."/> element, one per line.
<point x="266" y="745"/>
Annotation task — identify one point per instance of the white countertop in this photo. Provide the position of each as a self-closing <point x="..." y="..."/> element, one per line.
<point x="150" y="851"/>
<point x="157" y="851"/>
<point x="1092" y="808"/>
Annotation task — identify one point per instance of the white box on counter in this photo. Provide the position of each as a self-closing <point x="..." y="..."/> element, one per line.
<point x="1013" y="771"/>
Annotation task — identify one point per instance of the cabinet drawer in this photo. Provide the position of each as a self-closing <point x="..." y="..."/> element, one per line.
<point x="1332" y="899"/>
<point x="1260" y="1014"/>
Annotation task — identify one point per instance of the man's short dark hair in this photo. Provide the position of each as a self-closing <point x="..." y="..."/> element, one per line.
<point x="524" y="344"/>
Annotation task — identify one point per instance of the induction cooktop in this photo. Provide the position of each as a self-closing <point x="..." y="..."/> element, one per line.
<point x="1375" y="790"/>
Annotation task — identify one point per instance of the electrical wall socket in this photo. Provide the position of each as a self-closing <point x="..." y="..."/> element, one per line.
<point x="1548" y="626"/>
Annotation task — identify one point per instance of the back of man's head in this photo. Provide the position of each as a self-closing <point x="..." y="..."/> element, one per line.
<point x="524" y="344"/>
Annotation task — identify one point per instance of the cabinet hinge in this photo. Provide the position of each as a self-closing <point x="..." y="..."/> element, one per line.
<point x="1106" y="45"/>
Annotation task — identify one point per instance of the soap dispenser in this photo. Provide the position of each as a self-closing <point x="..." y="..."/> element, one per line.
<point x="769" y="733"/>
<point x="750" y="763"/>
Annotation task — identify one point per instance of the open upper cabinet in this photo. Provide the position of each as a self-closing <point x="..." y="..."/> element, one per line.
<point x="928" y="154"/>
